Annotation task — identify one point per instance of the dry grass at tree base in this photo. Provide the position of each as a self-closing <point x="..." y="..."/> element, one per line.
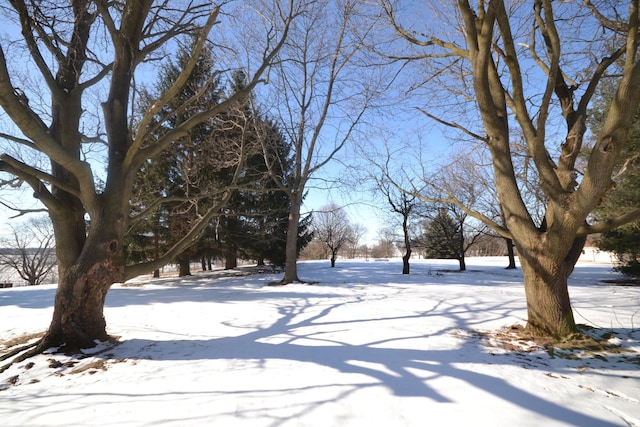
<point x="19" y="341"/>
<point x="588" y="343"/>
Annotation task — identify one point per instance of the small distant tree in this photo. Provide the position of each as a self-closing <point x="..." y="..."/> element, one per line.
<point x="354" y="249"/>
<point x="315" y="250"/>
<point x="442" y="237"/>
<point x="30" y="251"/>
<point x="332" y="227"/>
<point x="448" y="235"/>
<point x="385" y="247"/>
<point x="404" y="205"/>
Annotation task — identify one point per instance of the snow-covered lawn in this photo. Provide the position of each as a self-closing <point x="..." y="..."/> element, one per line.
<point x="365" y="346"/>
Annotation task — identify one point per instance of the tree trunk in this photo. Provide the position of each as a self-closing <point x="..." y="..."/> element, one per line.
<point x="511" y="254"/>
<point x="184" y="266"/>
<point x="230" y="255"/>
<point x="407" y="243"/>
<point x="462" y="263"/>
<point x="78" y="319"/>
<point x="548" y="305"/>
<point x="405" y="262"/>
<point x="461" y="248"/>
<point x="291" y="251"/>
<point x="333" y="259"/>
<point x="156" y="273"/>
<point x="546" y="272"/>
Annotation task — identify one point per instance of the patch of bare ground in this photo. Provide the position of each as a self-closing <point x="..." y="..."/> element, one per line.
<point x="588" y="343"/>
<point x="20" y="340"/>
<point x="624" y="281"/>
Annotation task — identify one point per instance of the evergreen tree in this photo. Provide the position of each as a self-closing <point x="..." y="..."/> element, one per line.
<point x="172" y="188"/>
<point x="230" y="148"/>
<point x="442" y="237"/>
<point x="625" y="194"/>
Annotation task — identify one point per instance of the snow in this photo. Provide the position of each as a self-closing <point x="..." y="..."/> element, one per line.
<point x="365" y="345"/>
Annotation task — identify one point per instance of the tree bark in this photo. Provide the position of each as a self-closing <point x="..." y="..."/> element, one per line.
<point x="78" y="319"/>
<point x="548" y="304"/>
<point x="406" y="209"/>
<point x="184" y="266"/>
<point x="230" y="255"/>
<point x="511" y="254"/>
<point x="291" y="260"/>
<point x="462" y="264"/>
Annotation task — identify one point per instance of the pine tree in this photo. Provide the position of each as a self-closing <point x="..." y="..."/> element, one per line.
<point x="172" y="188"/>
<point x="442" y="237"/>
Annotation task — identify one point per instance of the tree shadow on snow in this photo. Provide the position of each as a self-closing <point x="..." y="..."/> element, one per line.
<point x="309" y="326"/>
<point x="305" y="333"/>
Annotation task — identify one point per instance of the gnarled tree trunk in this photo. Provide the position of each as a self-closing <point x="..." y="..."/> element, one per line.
<point x="78" y="319"/>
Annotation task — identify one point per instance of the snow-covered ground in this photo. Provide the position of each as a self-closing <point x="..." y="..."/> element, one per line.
<point x="364" y="346"/>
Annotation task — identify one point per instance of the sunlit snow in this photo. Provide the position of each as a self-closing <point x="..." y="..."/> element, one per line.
<point x="364" y="346"/>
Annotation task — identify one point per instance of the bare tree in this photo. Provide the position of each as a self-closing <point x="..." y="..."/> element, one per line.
<point x="332" y="227"/>
<point x="30" y="251"/>
<point x="84" y="49"/>
<point x="320" y="96"/>
<point x="385" y="247"/>
<point x="486" y="73"/>
<point x="403" y="204"/>
<point x="353" y="245"/>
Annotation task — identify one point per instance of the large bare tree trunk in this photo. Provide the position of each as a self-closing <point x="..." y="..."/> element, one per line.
<point x="547" y="264"/>
<point x="548" y="304"/>
<point x="291" y="260"/>
<point x="78" y="319"/>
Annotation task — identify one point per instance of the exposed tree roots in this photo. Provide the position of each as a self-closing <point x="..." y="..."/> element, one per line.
<point x="22" y="353"/>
